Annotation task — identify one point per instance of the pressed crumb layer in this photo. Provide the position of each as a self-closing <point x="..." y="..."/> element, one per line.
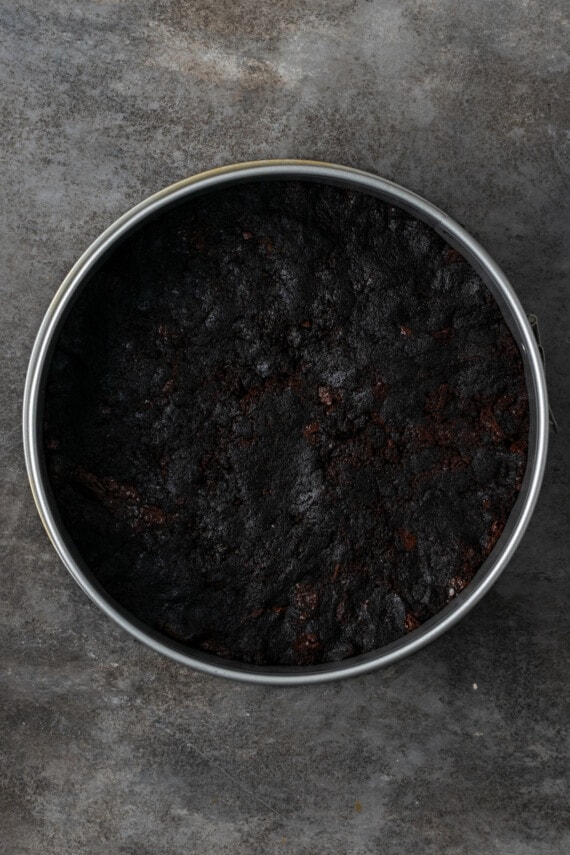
<point x="285" y="423"/>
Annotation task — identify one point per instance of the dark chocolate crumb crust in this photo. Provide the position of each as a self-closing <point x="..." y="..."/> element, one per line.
<point x="285" y="423"/>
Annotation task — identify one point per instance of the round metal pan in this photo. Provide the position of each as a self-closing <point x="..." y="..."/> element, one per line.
<point x="457" y="238"/>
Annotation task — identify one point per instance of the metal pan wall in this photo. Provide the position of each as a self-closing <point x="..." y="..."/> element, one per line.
<point x="456" y="237"/>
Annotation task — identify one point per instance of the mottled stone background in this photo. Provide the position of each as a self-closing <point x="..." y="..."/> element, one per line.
<point x="107" y="747"/>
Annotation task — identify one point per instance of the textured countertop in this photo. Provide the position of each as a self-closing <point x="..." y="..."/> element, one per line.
<point x="104" y="745"/>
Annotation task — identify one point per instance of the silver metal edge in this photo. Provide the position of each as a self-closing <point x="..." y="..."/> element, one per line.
<point x="289" y="170"/>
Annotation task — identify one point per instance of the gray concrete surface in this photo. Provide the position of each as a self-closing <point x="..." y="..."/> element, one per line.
<point x="108" y="748"/>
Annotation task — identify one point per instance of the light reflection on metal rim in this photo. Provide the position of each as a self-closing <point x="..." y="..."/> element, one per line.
<point x="459" y="239"/>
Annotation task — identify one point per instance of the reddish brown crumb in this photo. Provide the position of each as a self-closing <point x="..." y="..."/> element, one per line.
<point x="444" y="334"/>
<point x="310" y="429"/>
<point x="380" y="390"/>
<point x="489" y="422"/>
<point x="495" y="532"/>
<point x="255" y="614"/>
<point x="267" y="246"/>
<point x="520" y="446"/>
<point x="307" y="648"/>
<point x="306" y="597"/>
<point x="451" y="256"/>
<point x="153" y="515"/>
<point x="214" y="645"/>
<point x="411" y="622"/>
<point x="409" y="541"/>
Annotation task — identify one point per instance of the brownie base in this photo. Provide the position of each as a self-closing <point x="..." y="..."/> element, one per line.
<point x="285" y="423"/>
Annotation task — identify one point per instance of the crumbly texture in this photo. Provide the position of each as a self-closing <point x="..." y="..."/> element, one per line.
<point x="285" y="423"/>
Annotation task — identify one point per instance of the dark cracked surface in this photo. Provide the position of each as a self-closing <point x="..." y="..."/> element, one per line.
<point x="285" y="423"/>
